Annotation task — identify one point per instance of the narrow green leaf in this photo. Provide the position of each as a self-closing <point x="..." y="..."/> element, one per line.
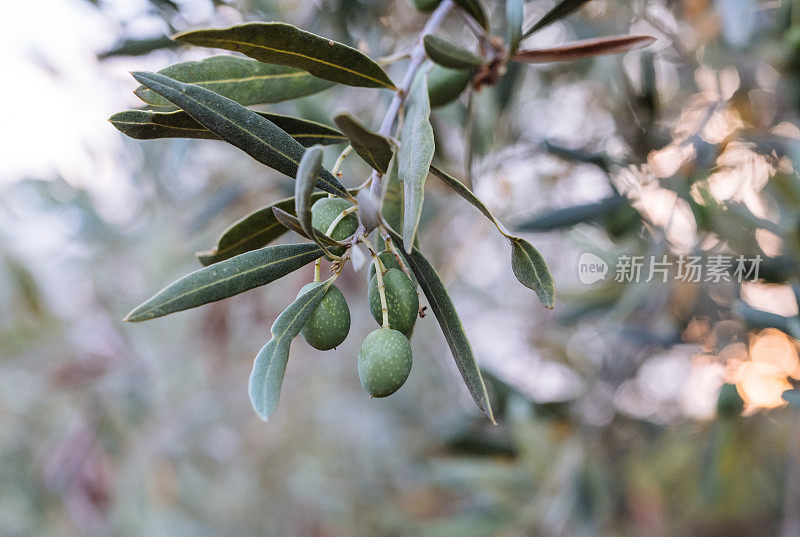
<point x="514" y="21"/>
<point x="426" y="5"/>
<point x="242" y="80"/>
<point x="442" y="306"/>
<point x="270" y="363"/>
<point x="291" y="223"/>
<point x="559" y="11"/>
<point x="392" y="204"/>
<point x="475" y="9"/>
<point x="255" y="230"/>
<point x="284" y="44"/>
<point x="138" y="47"/>
<point x="449" y="54"/>
<point x="303" y="187"/>
<point x="415" y="155"/>
<point x="250" y="132"/>
<point x="147" y="125"/>
<point x="375" y="149"/>
<point x="227" y="278"/>
<point x="584" y="49"/>
<point x="531" y="270"/>
<point x="527" y="263"/>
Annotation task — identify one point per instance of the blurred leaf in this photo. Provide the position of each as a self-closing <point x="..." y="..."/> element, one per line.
<point x="584" y="49"/>
<point x="147" y="125"/>
<point x="527" y="263"/>
<point x="792" y="397"/>
<point x="475" y="10"/>
<point x="449" y="54"/>
<point x="764" y="319"/>
<point x="559" y="11"/>
<point x="442" y="306"/>
<point x="415" y="155"/>
<point x="227" y="278"/>
<point x="531" y="270"/>
<point x="270" y="363"/>
<point x="514" y="21"/>
<point x="284" y="44"/>
<point x="242" y="80"/>
<point x="138" y="47"/>
<point x="303" y="187"/>
<point x="571" y="216"/>
<point x="250" y="132"/>
<point x="255" y="230"/>
<point x="375" y="149"/>
<point x="292" y="223"/>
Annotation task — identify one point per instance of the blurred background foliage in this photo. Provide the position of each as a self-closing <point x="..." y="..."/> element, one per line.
<point x="638" y="409"/>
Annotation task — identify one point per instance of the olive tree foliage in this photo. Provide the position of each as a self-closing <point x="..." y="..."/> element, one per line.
<point x="278" y="62"/>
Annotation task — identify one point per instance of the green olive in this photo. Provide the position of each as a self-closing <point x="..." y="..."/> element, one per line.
<point x="426" y="5"/>
<point x="325" y="211"/>
<point x="384" y="362"/>
<point x="445" y="85"/>
<point x="402" y="301"/>
<point x="329" y="322"/>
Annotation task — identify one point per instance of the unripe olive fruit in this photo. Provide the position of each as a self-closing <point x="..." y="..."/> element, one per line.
<point x="384" y="362"/>
<point x="402" y="301"/>
<point x="445" y="85"/>
<point x="426" y="5"/>
<point x="329" y="322"/>
<point x="325" y="211"/>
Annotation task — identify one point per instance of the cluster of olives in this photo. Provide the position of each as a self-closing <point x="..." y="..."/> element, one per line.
<point x="384" y="361"/>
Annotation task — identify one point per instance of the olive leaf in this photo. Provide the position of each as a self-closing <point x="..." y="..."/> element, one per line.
<point x="147" y="125"/>
<point x="291" y="223"/>
<point x="514" y="21"/>
<point x="242" y="80"/>
<point x="303" y="187"/>
<point x="250" y="132"/>
<point x="376" y="150"/>
<point x="415" y="155"/>
<point x="284" y="44"/>
<point x="475" y="9"/>
<point x="227" y="278"/>
<point x="255" y="230"/>
<point x="527" y="263"/>
<point x="531" y="270"/>
<point x="449" y="54"/>
<point x="585" y="48"/>
<point x="392" y="200"/>
<point x="559" y="11"/>
<point x="138" y="47"/>
<point x="445" y="312"/>
<point x="270" y="363"/>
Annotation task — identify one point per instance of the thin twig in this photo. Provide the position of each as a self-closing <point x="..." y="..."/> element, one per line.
<point x="417" y="58"/>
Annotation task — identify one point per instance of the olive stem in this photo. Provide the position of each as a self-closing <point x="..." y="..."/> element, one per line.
<point x="417" y="57"/>
<point x="391" y="247"/>
<point x="340" y="160"/>
<point x="379" y="270"/>
<point x="317" y="265"/>
<point x="339" y="218"/>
